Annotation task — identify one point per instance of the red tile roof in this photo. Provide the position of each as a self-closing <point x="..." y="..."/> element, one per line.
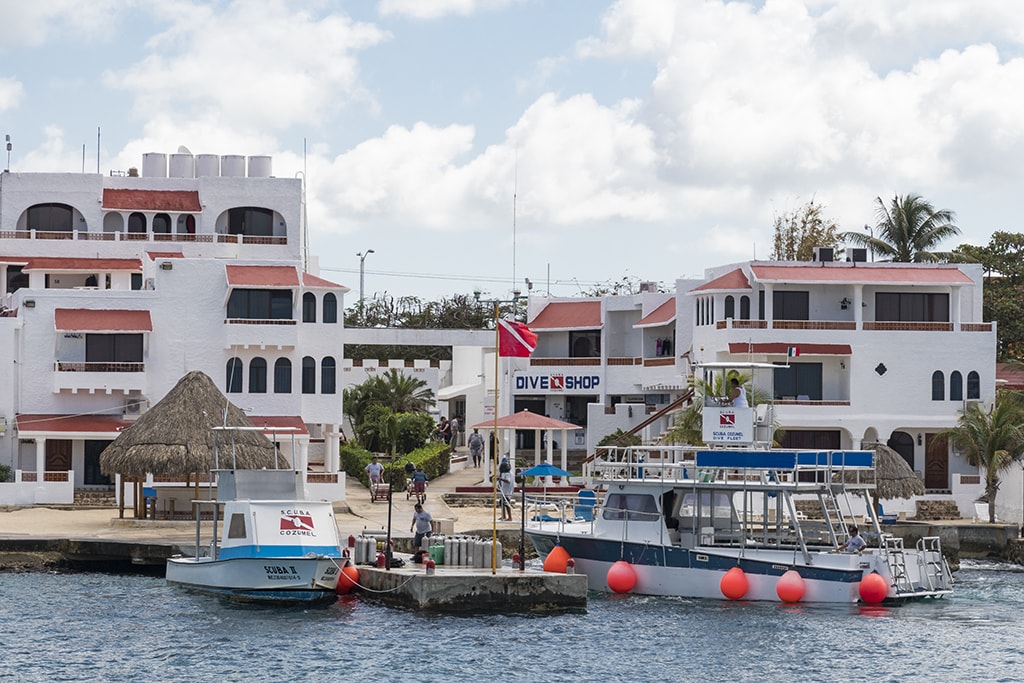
<point x="314" y="281"/>
<point x="289" y="424"/>
<point x="88" y="424"/>
<point x="152" y="200"/>
<point x="1010" y="376"/>
<point x="524" y="419"/>
<point x="92" y="320"/>
<point x="781" y="348"/>
<point x="262" y="276"/>
<point x="862" y="274"/>
<point x="662" y="315"/>
<point x="154" y="255"/>
<point x="93" y="265"/>
<point x="568" y="315"/>
<point x="734" y="279"/>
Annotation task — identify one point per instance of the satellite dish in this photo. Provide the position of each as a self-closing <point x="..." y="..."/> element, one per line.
<point x="182" y="149"/>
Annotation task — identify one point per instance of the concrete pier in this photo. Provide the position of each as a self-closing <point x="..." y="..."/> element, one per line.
<point x="466" y="590"/>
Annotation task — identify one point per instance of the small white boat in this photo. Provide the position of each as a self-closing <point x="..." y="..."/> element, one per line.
<point x="273" y="546"/>
<point x="724" y="522"/>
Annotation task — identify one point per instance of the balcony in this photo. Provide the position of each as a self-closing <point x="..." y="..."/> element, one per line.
<point x="260" y="333"/>
<point x="104" y="377"/>
<point x="847" y="325"/>
<point x="119" y="236"/>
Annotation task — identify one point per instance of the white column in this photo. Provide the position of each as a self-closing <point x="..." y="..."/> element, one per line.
<point x="40" y="459"/>
<point x="565" y="453"/>
<point x="332" y="459"/>
<point x="858" y="306"/>
<point x="954" y="315"/>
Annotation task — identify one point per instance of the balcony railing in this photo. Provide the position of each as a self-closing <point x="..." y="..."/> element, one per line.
<point x="877" y="326"/>
<point x="105" y="366"/>
<point x="258" y="321"/>
<point x="120" y="236"/>
<point x="62" y="476"/>
<point x="550" y="362"/>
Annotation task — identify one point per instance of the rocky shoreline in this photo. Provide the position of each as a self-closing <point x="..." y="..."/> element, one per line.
<point x="15" y="562"/>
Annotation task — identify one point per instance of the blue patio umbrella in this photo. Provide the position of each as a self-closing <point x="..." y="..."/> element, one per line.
<point x="546" y="470"/>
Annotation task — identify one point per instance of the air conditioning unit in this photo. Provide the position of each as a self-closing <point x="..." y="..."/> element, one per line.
<point x="648" y="287"/>
<point x="857" y="254"/>
<point x="824" y="254"/>
<point x="135" y="405"/>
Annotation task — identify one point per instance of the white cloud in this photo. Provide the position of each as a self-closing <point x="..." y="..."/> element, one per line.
<point x="436" y="9"/>
<point x="36" y="23"/>
<point x="12" y="91"/>
<point x="256" y="64"/>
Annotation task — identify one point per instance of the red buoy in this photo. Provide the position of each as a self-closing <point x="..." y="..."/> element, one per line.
<point x="348" y="579"/>
<point x="873" y="588"/>
<point x="734" y="584"/>
<point x="621" y="577"/>
<point x="790" y="587"/>
<point x="556" y="559"/>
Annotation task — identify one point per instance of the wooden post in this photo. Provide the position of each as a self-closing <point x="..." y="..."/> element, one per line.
<point x="120" y="498"/>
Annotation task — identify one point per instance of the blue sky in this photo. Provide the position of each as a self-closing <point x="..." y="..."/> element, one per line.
<point x="643" y="138"/>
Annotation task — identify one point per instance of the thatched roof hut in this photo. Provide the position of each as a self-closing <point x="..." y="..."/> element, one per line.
<point x="176" y="437"/>
<point x="893" y="476"/>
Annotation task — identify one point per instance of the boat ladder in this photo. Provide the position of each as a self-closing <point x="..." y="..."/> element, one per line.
<point x="934" y="570"/>
<point x="833" y="515"/>
<point x="892" y="548"/>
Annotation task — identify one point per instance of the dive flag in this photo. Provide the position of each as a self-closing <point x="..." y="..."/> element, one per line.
<point x="515" y="339"/>
<point x="793" y="351"/>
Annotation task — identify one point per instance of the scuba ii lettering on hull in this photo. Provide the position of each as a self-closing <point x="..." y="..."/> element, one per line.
<point x="556" y="382"/>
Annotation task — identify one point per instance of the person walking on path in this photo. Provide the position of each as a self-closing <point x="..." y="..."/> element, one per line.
<point x="476" y="447"/>
<point x="374" y="471"/>
<point x="419" y="485"/>
<point x="454" y="425"/>
<point x="420" y="525"/>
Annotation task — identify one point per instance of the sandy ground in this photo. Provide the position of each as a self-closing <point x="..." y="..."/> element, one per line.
<point x="357" y="514"/>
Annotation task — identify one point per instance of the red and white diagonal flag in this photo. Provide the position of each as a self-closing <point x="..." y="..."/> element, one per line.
<point x="515" y="339"/>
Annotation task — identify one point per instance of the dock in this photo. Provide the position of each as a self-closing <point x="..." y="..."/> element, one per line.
<point x="468" y="590"/>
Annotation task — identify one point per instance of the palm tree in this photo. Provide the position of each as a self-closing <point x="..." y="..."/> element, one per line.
<point x="688" y="423"/>
<point x="404" y="394"/>
<point x="907" y="230"/>
<point x="992" y="439"/>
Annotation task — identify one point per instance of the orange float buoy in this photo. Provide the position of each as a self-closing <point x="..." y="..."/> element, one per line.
<point x="348" y="579"/>
<point x="556" y="560"/>
<point x="621" y="577"/>
<point x="790" y="587"/>
<point x="734" y="584"/>
<point x="873" y="588"/>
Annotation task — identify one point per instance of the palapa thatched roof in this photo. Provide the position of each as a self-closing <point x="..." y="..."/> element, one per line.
<point x="893" y="476"/>
<point x="176" y="436"/>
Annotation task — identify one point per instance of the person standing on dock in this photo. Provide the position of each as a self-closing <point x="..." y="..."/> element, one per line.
<point x="506" y="487"/>
<point x="421" y="520"/>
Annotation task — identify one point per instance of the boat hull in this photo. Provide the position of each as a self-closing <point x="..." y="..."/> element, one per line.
<point x="265" y="579"/>
<point x="698" y="572"/>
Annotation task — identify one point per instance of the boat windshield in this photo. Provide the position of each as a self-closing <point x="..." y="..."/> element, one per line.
<point x="637" y="507"/>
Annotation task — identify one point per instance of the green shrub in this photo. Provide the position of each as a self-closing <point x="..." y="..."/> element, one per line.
<point x="5" y="472"/>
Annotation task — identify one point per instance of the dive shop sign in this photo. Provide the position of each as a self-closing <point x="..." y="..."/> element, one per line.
<point x="557" y="382"/>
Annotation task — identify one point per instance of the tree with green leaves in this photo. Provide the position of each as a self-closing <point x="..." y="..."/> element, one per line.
<point x="393" y="390"/>
<point x="385" y="431"/>
<point x="1003" y="298"/>
<point x="798" y="232"/>
<point x="688" y="423"/>
<point x="907" y="230"/>
<point x="992" y="439"/>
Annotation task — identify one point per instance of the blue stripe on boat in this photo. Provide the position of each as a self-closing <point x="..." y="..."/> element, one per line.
<point x="277" y="551"/>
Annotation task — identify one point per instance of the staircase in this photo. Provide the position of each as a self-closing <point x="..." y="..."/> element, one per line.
<point x="102" y="498"/>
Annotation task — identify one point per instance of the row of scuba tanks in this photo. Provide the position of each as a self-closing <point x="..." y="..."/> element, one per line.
<point x="454" y="551"/>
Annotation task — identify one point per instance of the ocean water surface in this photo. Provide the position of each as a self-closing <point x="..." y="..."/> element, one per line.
<point x="100" y="627"/>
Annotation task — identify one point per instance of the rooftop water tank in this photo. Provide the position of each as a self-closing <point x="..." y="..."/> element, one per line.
<point x="232" y="166"/>
<point x="183" y="166"/>
<point x="154" y="165"/>
<point x="259" y="167"/>
<point x="207" y="165"/>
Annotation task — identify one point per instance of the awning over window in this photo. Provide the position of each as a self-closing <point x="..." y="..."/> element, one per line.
<point x="662" y="315"/>
<point x="454" y="391"/>
<point x="262" y="276"/>
<point x="88" y="265"/>
<point x="568" y="315"/>
<point x="91" y="320"/>
<point x="782" y="348"/>
<point x="94" y="425"/>
<point x="280" y="426"/>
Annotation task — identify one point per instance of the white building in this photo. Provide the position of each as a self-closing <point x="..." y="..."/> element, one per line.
<point x="115" y="287"/>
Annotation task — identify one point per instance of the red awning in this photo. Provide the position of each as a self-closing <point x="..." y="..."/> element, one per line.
<point x="835" y="273"/>
<point x="524" y="419"/>
<point x="91" y="320"/>
<point x="109" y="425"/>
<point x="314" y="281"/>
<point x="568" y="315"/>
<point x="662" y="315"/>
<point x="734" y="279"/>
<point x="280" y="425"/>
<point x="262" y="276"/>
<point x="782" y="348"/>
<point x="89" y="265"/>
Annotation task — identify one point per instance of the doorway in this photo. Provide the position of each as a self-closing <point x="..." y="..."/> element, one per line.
<point x="936" y="464"/>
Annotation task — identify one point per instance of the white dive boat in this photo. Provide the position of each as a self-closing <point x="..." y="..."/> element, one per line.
<point x="736" y="521"/>
<point x="273" y="546"/>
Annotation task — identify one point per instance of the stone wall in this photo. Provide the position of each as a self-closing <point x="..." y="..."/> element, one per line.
<point x="928" y="510"/>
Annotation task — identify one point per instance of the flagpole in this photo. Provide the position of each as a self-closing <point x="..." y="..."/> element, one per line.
<point x="495" y="442"/>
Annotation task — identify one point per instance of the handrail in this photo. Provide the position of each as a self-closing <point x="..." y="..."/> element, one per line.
<point x="657" y="415"/>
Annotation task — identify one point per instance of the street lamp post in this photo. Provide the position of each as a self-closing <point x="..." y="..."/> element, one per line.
<point x="362" y="274"/>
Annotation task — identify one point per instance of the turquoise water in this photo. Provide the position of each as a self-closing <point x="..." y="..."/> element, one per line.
<point x="97" y="627"/>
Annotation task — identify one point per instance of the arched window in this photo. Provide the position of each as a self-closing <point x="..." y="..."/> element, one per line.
<point x="938" y="386"/>
<point x="327" y="376"/>
<point x="956" y="386"/>
<point x="730" y="307"/>
<point x="973" y="385"/>
<point x="308" y="375"/>
<point x="51" y="217"/>
<point x="257" y="376"/>
<point x="744" y="307"/>
<point x="136" y="222"/>
<point x="234" y="376"/>
<point x="283" y="376"/>
<point x="330" y="308"/>
<point x="251" y="220"/>
<point x="162" y="224"/>
<point x="309" y="307"/>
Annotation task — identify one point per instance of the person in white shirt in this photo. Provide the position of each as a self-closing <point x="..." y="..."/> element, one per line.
<point x="854" y="544"/>
<point x="737" y="396"/>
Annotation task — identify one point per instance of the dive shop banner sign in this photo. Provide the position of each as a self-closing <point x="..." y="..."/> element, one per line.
<point x="555" y="383"/>
<point x="728" y="425"/>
